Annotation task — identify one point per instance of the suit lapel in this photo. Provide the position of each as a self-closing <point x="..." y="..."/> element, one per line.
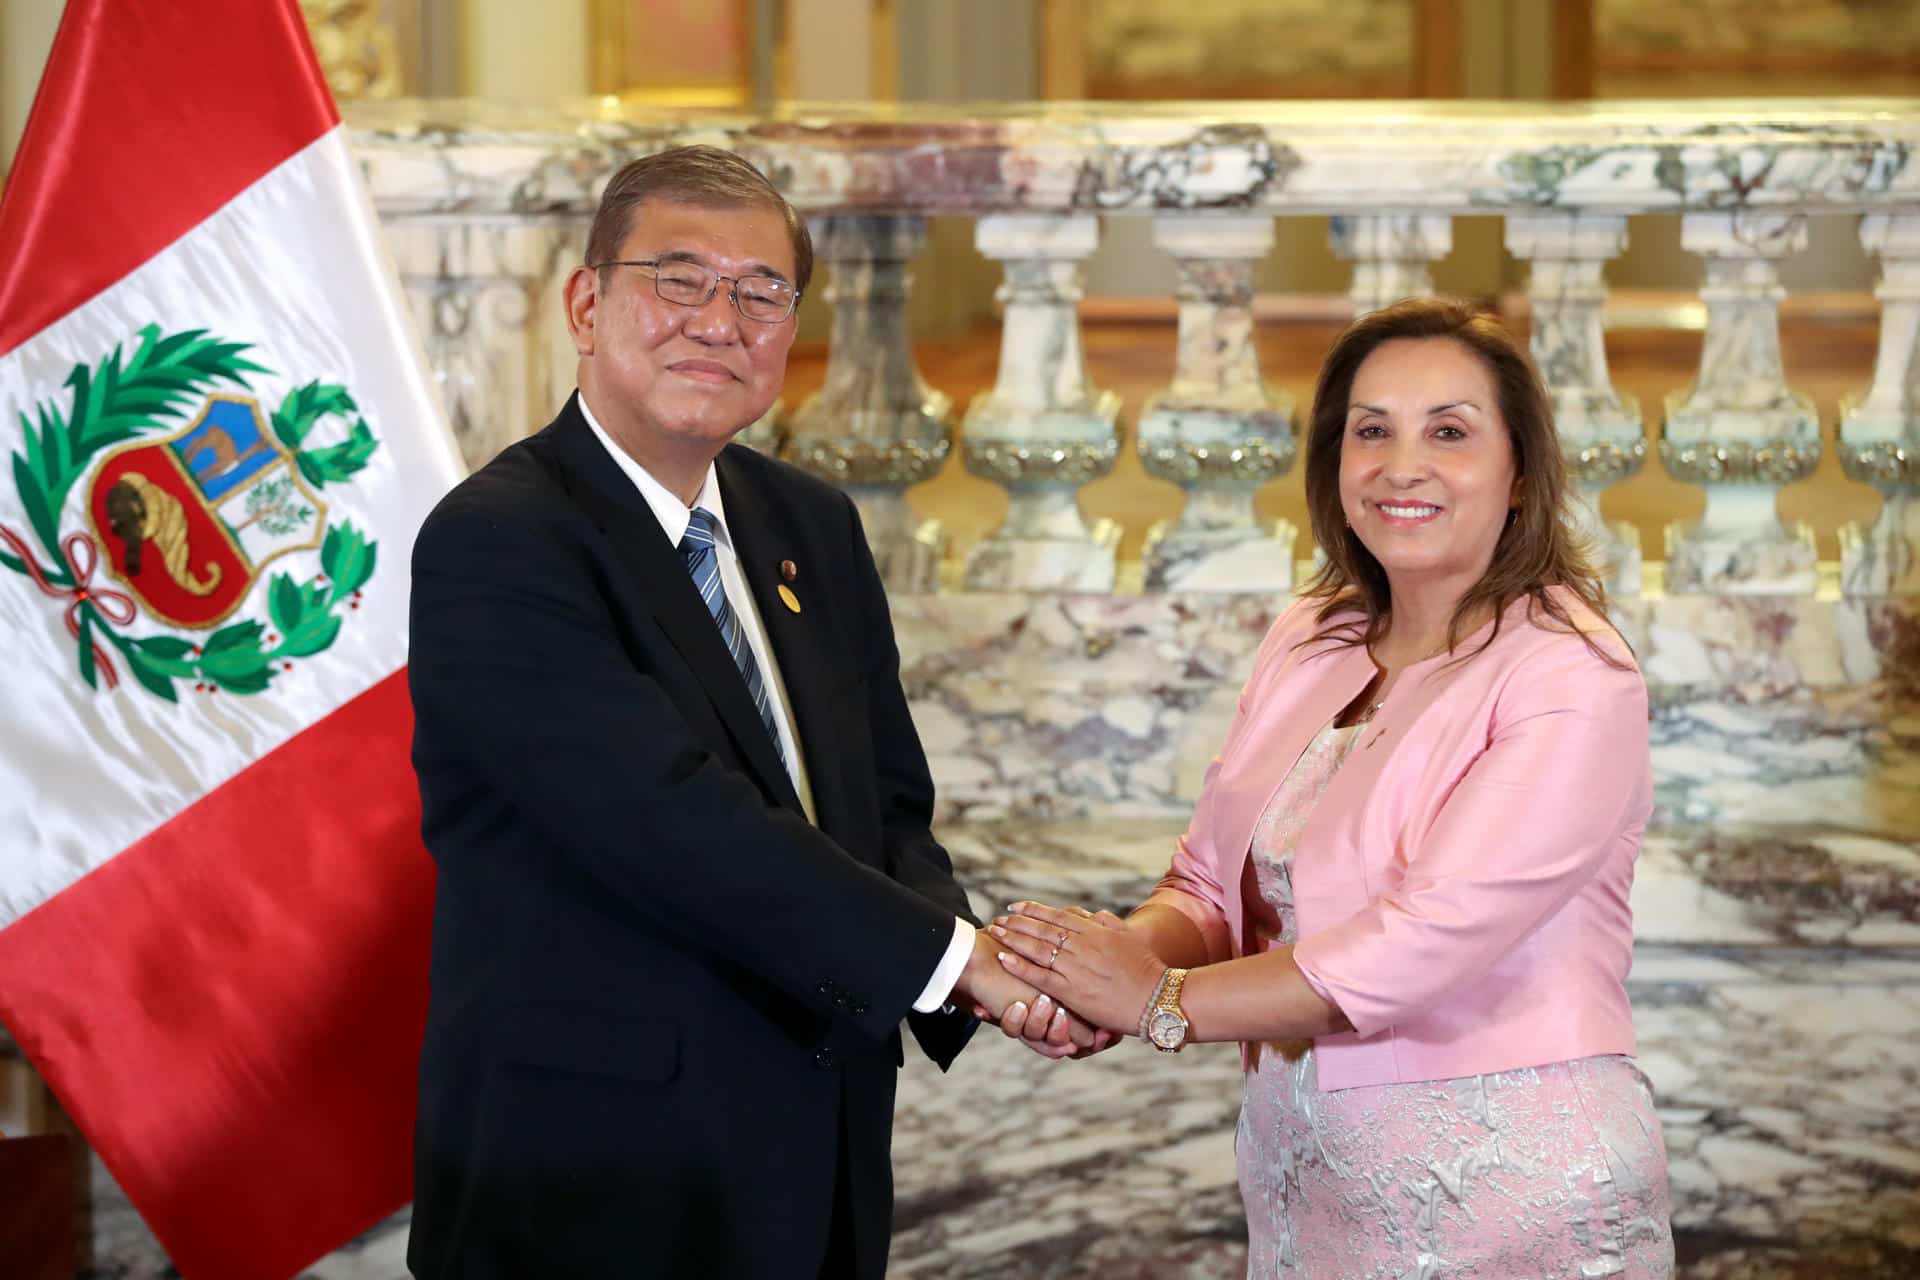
<point x="802" y="642"/>
<point x="611" y="502"/>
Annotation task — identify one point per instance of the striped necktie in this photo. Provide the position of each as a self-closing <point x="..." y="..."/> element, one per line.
<point x="703" y="562"/>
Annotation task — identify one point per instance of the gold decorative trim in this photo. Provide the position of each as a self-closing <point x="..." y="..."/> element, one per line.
<point x="1884" y="463"/>
<point x="1249" y="461"/>
<point x="840" y="460"/>
<point x="1768" y="462"/>
<point x="1604" y="462"/>
<point x="1063" y="462"/>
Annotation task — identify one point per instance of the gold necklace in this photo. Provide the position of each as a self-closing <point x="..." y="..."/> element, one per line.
<point x="1367" y="716"/>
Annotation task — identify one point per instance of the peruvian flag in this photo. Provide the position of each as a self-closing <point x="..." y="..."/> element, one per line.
<point x="216" y="445"/>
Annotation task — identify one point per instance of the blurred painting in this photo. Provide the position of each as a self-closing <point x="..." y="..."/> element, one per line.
<point x="674" y="52"/>
<point x="1146" y="49"/>
<point x="1735" y="48"/>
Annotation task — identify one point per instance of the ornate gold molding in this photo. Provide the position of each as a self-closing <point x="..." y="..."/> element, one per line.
<point x="358" y="48"/>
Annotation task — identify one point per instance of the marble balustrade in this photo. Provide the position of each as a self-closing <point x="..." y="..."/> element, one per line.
<point x="486" y="206"/>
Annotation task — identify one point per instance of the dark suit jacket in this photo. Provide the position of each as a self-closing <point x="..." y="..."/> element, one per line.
<point x="662" y="1001"/>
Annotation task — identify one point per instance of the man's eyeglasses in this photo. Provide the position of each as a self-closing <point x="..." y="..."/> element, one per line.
<point x="762" y="299"/>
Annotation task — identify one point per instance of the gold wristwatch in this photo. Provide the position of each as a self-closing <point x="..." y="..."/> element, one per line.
<point x="1165" y="1024"/>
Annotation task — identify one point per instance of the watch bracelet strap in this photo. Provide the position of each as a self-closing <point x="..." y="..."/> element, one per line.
<point x="1153" y="1001"/>
<point x="1171" y="987"/>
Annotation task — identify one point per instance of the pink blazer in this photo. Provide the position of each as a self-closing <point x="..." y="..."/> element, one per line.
<point x="1461" y="887"/>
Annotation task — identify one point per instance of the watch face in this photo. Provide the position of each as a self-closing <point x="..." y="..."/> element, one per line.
<point x="1166" y="1029"/>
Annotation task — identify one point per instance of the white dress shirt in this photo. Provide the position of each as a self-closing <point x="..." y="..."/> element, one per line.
<point x="674" y="516"/>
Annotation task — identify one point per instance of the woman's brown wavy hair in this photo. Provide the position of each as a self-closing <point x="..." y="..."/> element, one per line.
<point x="1537" y="550"/>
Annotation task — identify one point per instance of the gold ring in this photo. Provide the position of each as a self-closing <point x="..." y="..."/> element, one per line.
<point x="1063" y="937"/>
<point x="1053" y="957"/>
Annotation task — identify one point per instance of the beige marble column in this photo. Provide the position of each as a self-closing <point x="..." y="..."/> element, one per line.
<point x="1880" y="429"/>
<point x="875" y="426"/>
<point x="1600" y="430"/>
<point x="485" y="301"/>
<point x="1043" y="431"/>
<point x="1739" y="431"/>
<point x="1390" y="253"/>
<point x="1218" y="432"/>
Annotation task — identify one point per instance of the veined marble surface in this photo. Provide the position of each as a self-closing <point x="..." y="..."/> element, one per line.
<point x="1776" y="992"/>
<point x="1062" y="704"/>
<point x="1766" y="710"/>
<point x="449" y="156"/>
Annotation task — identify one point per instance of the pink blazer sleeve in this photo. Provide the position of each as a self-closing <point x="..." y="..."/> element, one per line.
<point x="1564" y="778"/>
<point x="1192" y="885"/>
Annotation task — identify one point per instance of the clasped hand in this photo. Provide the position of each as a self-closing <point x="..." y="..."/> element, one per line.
<point x="1089" y="972"/>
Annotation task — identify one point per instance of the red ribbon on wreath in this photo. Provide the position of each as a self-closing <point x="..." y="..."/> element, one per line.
<point x="83" y="557"/>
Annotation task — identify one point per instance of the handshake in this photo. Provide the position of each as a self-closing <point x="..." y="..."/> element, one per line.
<point x="1065" y="981"/>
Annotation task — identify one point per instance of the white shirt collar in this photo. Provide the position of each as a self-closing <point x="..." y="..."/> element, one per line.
<point x="672" y="514"/>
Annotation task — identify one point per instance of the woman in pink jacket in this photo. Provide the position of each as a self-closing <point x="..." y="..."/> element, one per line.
<point x="1404" y="888"/>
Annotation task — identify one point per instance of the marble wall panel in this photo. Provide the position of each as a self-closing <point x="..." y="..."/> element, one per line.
<point x="1766" y="710"/>
<point x="1752" y="756"/>
<point x="1043" y="704"/>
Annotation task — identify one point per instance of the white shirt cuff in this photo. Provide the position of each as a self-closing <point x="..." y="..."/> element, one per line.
<point x="947" y="974"/>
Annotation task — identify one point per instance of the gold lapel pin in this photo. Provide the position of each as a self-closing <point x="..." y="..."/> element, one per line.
<point x="787" y="597"/>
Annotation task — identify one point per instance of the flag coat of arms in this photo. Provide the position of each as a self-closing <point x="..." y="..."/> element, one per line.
<point x="216" y="444"/>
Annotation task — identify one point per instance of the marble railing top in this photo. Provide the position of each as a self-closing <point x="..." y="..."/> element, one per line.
<point x="426" y="156"/>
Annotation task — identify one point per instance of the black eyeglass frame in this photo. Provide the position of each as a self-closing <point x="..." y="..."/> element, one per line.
<point x="733" y="282"/>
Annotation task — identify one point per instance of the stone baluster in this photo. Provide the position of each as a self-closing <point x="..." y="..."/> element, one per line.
<point x="1880" y="431"/>
<point x="1042" y="431"/>
<point x="1739" y="431"/>
<point x="1217" y="432"/>
<point x="1600" y="430"/>
<point x="485" y="298"/>
<point x="875" y="426"/>
<point x="1390" y="253"/>
<point x="767" y="433"/>
<point x="550" y="323"/>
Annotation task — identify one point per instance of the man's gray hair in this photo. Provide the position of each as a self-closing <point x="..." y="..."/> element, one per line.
<point x="704" y="177"/>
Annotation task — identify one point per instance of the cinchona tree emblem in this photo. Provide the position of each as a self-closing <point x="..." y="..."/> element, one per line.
<point x="190" y="491"/>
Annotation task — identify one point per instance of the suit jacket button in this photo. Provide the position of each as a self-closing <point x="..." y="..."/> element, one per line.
<point x="859" y="1008"/>
<point x="823" y="1059"/>
<point x="826" y="990"/>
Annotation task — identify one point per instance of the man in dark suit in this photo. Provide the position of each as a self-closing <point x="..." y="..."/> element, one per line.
<point x="687" y="888"/>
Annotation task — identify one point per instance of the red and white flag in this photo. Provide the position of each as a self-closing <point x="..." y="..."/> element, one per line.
<point x="216" y="445"/>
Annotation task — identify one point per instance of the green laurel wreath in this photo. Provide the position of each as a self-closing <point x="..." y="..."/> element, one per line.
<point x="119" y="400"/>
